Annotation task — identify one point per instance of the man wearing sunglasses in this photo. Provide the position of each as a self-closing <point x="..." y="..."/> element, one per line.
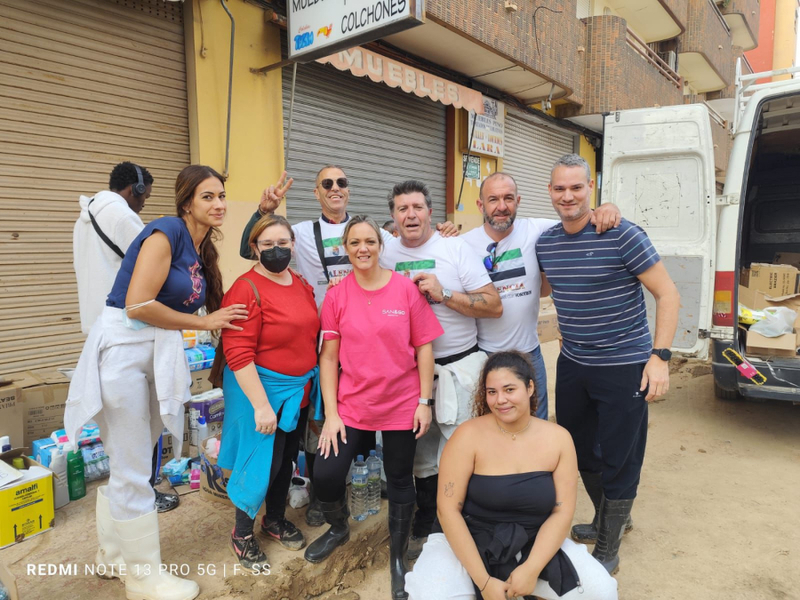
<point x="459" y="290"/>
<point x="508" y="248"/>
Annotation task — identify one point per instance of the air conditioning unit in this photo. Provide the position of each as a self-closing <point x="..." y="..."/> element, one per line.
<point x="671" y="58"/>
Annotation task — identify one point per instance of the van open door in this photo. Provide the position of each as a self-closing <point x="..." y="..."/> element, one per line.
<point x="658" y="168"/>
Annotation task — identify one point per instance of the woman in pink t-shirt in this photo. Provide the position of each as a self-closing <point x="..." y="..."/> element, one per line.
<point x="379" y="328"/>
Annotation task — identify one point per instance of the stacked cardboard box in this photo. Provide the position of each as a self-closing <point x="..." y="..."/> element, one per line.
<point x="32" y="406"/>
<point x="772" y="285"/>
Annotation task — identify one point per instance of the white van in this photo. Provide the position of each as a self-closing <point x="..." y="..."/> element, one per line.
<point x="658" y="167"/>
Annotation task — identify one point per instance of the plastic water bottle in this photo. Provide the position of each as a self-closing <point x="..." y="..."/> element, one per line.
<point x="373" y="483"/>
<point x="358" y="491"/>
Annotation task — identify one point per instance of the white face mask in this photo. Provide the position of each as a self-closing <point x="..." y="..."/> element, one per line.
<point x="135" y="324"/>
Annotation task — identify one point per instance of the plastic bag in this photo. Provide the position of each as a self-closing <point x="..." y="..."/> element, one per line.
<point x="777" y="321"/>
<point x="298" y="492"/>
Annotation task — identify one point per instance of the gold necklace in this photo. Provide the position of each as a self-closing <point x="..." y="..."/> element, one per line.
<point x="514" y="434"/>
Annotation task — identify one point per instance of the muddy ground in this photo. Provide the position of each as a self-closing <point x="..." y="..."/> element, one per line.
<point x="716" y="518"/>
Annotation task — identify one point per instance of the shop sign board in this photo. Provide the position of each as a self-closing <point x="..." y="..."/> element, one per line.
<point x="489" y="133"/>
<point x="320" y="27"/>
<point x="382" y="69"/>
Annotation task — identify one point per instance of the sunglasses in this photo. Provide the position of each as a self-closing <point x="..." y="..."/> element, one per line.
<point x="490" y="262"/>
<point x="327" y="184"/>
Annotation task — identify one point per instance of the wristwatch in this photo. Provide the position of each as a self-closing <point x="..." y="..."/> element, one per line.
<point x="663" y="353"/>
<point x="426" y="401"/>
<point x="446" y="295"/>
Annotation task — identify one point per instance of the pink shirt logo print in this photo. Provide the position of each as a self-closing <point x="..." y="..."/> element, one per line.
<point x="197" y="284"/>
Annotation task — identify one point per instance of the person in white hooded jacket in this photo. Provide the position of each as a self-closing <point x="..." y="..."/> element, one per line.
<point x="97" y="259"/>
<point x="116" y="214"/>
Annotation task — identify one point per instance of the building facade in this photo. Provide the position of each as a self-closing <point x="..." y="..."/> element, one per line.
<point x="89" y="83"/>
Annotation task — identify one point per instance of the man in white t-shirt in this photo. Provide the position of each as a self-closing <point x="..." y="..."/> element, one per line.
<point x="460" y="291"/>
<point x="508" y="248"/>
<point x="108" y="223"/>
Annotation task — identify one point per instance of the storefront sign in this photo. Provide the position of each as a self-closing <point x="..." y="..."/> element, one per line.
<point x="490" y="128"/>
<point x="473" y="166"/>
<point x="379" y="69"/>
<point x="319" y="27"/>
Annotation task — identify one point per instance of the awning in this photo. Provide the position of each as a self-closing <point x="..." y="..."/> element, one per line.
<point x="381" y="69"/>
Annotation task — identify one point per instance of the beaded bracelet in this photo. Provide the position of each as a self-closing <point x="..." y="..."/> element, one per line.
<point x="487" y="583"/>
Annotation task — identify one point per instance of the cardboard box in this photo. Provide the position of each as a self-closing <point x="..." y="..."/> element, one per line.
<point x="200" y="382"/>
<point x="788" y="258"/>
<point x="210" y="405"/>
<point x="42" y="451"/>
<point x="773" y="280"/>
<point x="213" y="480"/>
<point x="548" y="323"/>
<point x="756" y="300"/>
<point x="783" y="346"/>
<point x="26" y="505"/>
<point x="11" y="413"/>
<point x="44" y="396"/>
<point x="213" y="429"/>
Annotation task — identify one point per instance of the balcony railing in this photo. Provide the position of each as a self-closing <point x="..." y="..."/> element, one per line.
<point x="635" y="42"/>
<point x="715" y="9"/>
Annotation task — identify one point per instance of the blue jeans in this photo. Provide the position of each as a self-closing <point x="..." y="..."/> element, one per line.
<point x="541" y="381"/>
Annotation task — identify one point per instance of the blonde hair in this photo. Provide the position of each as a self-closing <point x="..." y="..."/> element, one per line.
<point x="357" y="220"/>
<point x="264" y="223"/>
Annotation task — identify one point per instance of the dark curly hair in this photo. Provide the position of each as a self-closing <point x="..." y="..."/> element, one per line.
<point x="124" y="174"/>
<point x="516" y="362"/>
<point x="185" y="186"/>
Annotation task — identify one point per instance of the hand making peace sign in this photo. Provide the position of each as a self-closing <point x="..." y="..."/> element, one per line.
<point x="271" y="197"/>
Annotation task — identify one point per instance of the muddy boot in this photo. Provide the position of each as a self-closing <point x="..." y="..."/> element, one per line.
<point x="399" y="530"/>
<point x="314" y="514"/>
<point x="586" y="533"/>
<point x="611" y="526"/>
<point x="426" y="512"/>
<point x="336" y="514"/>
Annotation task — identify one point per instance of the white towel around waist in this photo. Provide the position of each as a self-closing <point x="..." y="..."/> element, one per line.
<point x="454" y="390"/>
<point x="170" y="370"/>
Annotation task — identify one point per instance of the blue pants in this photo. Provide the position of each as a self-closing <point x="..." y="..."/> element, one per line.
<point x="541" y="381"/>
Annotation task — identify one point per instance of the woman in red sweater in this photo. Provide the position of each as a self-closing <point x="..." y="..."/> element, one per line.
<point x="271" y="375"/>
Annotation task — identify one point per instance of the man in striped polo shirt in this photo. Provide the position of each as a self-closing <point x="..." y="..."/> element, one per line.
<point x="507" y="245"/>
<point x="609" y="367"/>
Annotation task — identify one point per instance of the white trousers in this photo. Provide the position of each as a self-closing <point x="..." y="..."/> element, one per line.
<point x="130" y="424"/>
<point x="438" y="575"/>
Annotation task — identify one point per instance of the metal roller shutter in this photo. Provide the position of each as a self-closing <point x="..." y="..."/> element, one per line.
<point x="530" y="151"/>
<point x="84" y="84"/>
<point x="379" y="135"/>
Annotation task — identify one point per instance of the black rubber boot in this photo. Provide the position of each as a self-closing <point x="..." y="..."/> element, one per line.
<point x="336" y="514"/>
<point x="586" y="533"/>
<point x="399" y="530"/>
<point x="314" y="514"/>
<point x="611" y="525"/>
<point x="426" y="513"/>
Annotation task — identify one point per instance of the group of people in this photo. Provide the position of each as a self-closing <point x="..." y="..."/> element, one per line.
<point x="425" y="336"/>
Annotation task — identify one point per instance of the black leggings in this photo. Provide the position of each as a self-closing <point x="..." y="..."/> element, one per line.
<point x="284" y="452"/>
<point x="398" y="462"/>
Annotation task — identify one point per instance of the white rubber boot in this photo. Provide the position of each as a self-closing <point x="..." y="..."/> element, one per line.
<point x="108" y="562"/>
<point x="141" y="551"/>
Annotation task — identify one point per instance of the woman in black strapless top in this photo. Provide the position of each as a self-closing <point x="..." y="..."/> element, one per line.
<point x="507" y="488"/>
